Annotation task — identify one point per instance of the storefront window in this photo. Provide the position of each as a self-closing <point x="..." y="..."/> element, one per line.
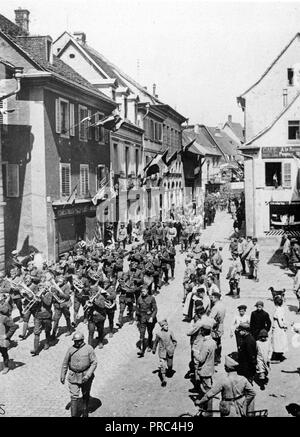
<point x="294" y="130"/>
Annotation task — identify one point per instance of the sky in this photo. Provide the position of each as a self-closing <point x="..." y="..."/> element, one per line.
<point x="201" y="55"/>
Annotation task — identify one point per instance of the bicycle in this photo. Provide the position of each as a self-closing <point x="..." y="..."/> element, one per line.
<point x="210" y="413"/>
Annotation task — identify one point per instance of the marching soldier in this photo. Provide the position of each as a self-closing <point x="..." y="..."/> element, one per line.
<point x="96" y="314"/>
<point x="62" y="303"/>
<point x="172" y="253"/>
<point x="42" y="316"/>
<point x="110" y="305"/>
<point x="28" y="296"/>
<point x="81" y="288"/>
<point x="165" y="260"/>
<point x="7" y="329"/>
<point x="157" y="270"/>
<point x="16" y="278"/>
<point x="127" y="291"/>
<point x="146" y="311"/>
<point x="81" y="362"/>
<point x="148" y="272"/>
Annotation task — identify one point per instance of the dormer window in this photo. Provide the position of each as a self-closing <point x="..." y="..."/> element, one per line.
<point x="71" y="55"/>
<point x="290" y="76"/>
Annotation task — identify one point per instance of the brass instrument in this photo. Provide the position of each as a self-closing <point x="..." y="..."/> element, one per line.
<point x="58" y="300"/>
<point x="91" y="300"/>
<point x="36" y="298"/>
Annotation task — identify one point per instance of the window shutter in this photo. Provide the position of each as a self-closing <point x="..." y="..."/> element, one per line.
<point x="84" y="180"/>
<point x="65" y="180"/>
<point x="287" y="177"/>
<point x="97" y="127"/>
<point x="89" y="125"/>
<point x="57" y="116"/>
<point x="12" y="180"/>
<point x="72" y="119"/>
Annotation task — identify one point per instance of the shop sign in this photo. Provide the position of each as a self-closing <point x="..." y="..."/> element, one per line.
<point x="74" y="210"/>
<point x="280" y="152"/>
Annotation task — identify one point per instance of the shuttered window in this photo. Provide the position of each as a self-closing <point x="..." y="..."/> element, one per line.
<point x="83" y="122"/>
<point x="72" y="119"/>
<point x="65" y="180"/>
<point x="287" y="176"/>
<point x="62" y="117"/>
<point x="89" y="125"/>
<point x="84" y="179"/>
<point x="96" y="127"/>
<point x="12" y="180"/>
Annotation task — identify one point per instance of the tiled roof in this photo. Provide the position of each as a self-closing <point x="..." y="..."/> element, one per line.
<point x="201" y="139"/>
<point x="225" y="143"/>
<point x="237" y="128"/>
<point x="35" y="49"/>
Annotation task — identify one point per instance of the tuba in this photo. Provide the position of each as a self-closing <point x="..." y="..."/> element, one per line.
<point x="55" y="285"/>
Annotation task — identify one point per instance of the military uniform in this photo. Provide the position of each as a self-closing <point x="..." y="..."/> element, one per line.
<point x="81" y="363"/>
<point x="81" y="295"/>
<point x="217" y="313"/>
<point x="7" y="329"/>
<point x="42" y="320"/>
<point x="62" y="308"/>
<point x="127" y="291"/>
<point x="96" y="316"/>
<point x="146" y="310"/>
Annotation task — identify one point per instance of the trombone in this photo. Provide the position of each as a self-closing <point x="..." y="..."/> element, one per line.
<point x="91" y="300"/>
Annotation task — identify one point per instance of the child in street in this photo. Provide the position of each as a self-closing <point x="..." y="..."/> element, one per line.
<point x="264" y="353"/>
<point x="166" y="343"/>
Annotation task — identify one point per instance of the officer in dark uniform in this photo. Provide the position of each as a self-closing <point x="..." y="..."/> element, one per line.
<point x="81" y="362"/>
<point x="157" y="270"/>
<point x="165" y="261"/>
<point x="138" y="278"/>
<point x="148" y="272"/>
<point x="146" y="310"/>
<point x="172" y="253"/>
<point x="61" y="291"/>
<point x="110" y="304"/>
<point x="42" y="316"/>
<point x="147" y="235"/>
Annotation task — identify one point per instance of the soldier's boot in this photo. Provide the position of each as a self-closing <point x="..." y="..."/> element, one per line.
<point x="47" y="341"/>
<point x="24" y="331"/>
<point x="36" y="343"/>
<point x="54" y="331"/>
<point x="130" y="317"/>
<point x="90" y="340"/>
<point x="141" y="353"/>
<point x="69" y="328"/>
<point x="75" y="320"/>
<point x="85" y="407"/>
<point x="162" y="376"/>
<point x="74" y="407"/>
<point x="6" y="367"/>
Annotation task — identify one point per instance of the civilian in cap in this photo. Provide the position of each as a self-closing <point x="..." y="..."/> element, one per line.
<point x="280" y="326"/>
<point x="240" y="317"/>
<point x="264" y="354"/>
<point x="217" y="313"/>
<point x="247" y="353"/>
<point x="166" y="342"/>
<point x="236" y="391"/>
<point x="259" y="320"/>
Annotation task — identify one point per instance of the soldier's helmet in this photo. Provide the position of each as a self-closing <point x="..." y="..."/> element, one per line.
<point x="78" y="336"/>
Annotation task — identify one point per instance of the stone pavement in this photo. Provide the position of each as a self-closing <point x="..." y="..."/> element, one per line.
<point x="125" y="385"/>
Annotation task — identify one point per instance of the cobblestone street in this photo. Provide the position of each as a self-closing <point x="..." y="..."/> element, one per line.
<point x="126" y="385"/>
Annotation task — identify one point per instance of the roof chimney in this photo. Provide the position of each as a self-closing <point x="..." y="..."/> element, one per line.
<point x="197" y="128"/>
<point x="230" y="118"/>
<point x="154" y="89"/>
<point x="22" y="19"/>
<point x="80" y="37"/>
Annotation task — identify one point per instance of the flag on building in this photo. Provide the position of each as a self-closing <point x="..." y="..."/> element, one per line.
<point x="157" y="164"/>
<point x="111" y="122"/>
<point x="171" y="159"/>
<point x="187" y="146"/>
<point x="101" y="191"/>
<point x="72" y="198"/>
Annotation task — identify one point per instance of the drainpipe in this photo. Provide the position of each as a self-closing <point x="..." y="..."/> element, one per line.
<point x="253" y="191"/>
